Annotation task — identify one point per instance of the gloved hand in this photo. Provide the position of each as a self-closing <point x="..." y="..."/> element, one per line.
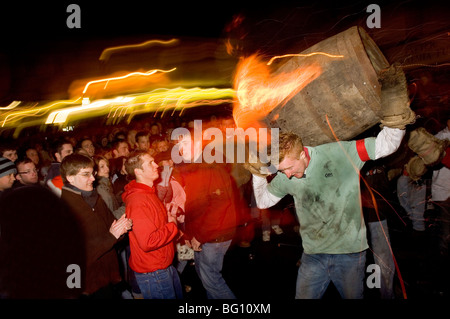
<point x="395" y="110"/>
<point x="256" y="167"/>
<point x="415" y="168"/>
<point x="429" y="148"/>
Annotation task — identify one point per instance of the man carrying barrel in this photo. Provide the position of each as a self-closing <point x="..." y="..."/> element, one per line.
<point x="324" y="182"/>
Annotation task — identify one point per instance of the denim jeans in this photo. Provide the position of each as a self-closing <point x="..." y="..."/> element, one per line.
<point x="160" y="284"/>
<point x="380" y="245"/>
<point x="412" y="198"/>
<point x="208" y="265"/>
<point x="346" y="271"/>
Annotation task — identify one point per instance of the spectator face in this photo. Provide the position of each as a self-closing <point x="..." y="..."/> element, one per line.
<point x="103" y="169"/>
<point x="143" y="143"/>
<point x="33" y="155"/>
<point x="27" y="173"/>
<point x="11" y="155"/>
<point x="122" y="150"/>
<point x="67" y="149"/>
<point x="189" y="150"/>
<point x="83" y="180"/>
<point x="131" y="137"/>
<point x="162" y="146"/>
<point x="6" y="182"/>
<point x="149" y="171"/>
<point x="154" y="130"/>
<point x="89" y="147"/>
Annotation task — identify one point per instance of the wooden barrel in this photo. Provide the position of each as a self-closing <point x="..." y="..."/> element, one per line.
<point x="347" y="90"/>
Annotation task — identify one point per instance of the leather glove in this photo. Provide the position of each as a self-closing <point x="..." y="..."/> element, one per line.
<point x="429" y="148"/>
<point x="256" y="167"/>
<point x="395" y="110"/>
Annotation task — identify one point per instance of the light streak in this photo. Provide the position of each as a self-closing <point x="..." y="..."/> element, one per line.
<point x="108" y="51"/>
<point x="11" y="106"/>
<point x="151" y="72"/>
<point x="303" y="55"/>
<point x="13" y="117"/>
<point x="60" y="116"/>
<point x="154" y="101"/>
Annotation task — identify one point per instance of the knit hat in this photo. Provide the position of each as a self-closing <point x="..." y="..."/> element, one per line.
<point x="7" y="167"/>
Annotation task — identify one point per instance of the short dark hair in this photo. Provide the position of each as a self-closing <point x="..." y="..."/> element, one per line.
<point x="115" y="144"/>
<point x="57" y="147"/>
<point x="141" y="133"/>
<point x="7" y="146"/>
<point x="73" y="163"/>
<point x="23" y="160"/>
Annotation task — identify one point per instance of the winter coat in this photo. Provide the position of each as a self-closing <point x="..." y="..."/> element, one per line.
<point x="102" y="267"/>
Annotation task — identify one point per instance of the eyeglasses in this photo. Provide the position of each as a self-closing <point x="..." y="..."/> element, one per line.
<point x="34" y="171"/>
<point x="88" y="174"/>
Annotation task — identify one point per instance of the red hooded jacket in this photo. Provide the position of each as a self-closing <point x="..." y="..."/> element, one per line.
<point x="152" y="236"/>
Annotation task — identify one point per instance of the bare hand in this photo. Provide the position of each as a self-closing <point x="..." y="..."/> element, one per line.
<point x="171" y="218"/>
<point x="120" y="226"/>
<point x="195" y="244"/>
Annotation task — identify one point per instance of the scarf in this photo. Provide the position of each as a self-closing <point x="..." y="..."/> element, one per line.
<point x="89" y="197"/>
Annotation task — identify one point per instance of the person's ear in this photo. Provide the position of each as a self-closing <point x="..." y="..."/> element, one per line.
<point x="137" y="172"/>
<point x="70" y="178"/>
<point x="302" y="155"/>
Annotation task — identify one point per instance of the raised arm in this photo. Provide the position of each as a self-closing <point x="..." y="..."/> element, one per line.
<point x="264" y="199"/>
<point x="388" y="141"/>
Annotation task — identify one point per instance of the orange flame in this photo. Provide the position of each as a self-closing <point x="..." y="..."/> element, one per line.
<point x="259" y="90"/>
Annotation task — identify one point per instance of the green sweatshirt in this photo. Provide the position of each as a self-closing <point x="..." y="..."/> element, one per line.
<point x="327" y="198"/>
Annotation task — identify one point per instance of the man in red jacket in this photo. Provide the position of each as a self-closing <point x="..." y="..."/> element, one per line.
<point x="154" y="231"/>
<point x="211" y="215"/>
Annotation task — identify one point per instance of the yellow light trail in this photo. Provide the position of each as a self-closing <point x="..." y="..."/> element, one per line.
<point x="151" y="72"/>
<point x="108" y="51"/>
<point x="11" y="106"/>
<point x="60" y="116"/>
<point x="11" y="118"/>
<point x="303" y="55"/>
<point x="153" y="101"/>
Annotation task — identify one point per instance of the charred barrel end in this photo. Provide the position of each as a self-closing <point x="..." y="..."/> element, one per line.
<point x="395" y="110"/>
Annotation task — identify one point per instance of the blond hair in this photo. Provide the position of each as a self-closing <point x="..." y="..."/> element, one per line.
<point x="290" y="145"/>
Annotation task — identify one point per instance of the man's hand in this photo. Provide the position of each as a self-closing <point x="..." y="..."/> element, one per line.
<point x="195" y="244"/>
<point x="171" y="218"/>
<point x="120" y="226"/>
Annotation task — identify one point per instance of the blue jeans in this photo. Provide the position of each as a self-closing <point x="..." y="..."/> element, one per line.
<point x="160" y="284"/>
<point x="346" y="271"/>
<point x="380" y="244"/>
<point x="208" y="265"/>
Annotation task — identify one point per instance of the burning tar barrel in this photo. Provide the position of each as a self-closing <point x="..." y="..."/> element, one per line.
<point x="347" y="91"/>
